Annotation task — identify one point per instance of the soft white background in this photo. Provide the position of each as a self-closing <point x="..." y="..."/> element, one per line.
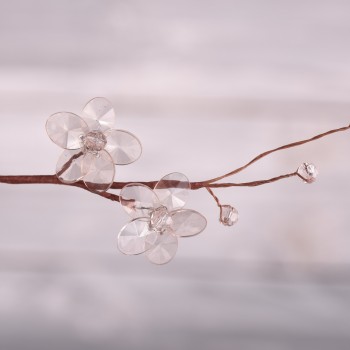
<point x="206" y="86"/>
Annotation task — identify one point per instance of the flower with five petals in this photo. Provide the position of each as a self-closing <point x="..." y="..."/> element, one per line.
<point x="158" y="218"/>
<point x="91" y="146"/>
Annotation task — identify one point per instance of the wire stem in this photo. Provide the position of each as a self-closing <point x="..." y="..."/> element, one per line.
<point x="208" y="184"/>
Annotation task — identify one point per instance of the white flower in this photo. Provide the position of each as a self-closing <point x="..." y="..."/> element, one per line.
<point x="158" y="218"/>
<point x="91" y="146"/>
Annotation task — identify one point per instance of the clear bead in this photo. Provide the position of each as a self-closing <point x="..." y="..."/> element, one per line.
<point x="66" y="130"/>
<point x="228" y="215"/>
<point x="173" y="190"/>
<point x="99" y="171"/>
<point x="163" y="249"/>
<point x="134" y="235"/>
<point x="124" y="147"/>
<point x="69" y="166"/>
<point x="160" y="219"/>
<point x="138" y="200"/>
<point x="94" y="141"/>
<point x="99" y="114"/>
<point x="308" y="172"/>
<point x="186" y="222"/>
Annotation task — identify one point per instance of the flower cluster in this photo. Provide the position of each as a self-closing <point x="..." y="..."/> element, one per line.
<point x="91" y="148"/>
<point x="158" y="218"/>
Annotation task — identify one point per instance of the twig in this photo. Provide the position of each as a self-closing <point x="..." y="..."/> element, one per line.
<point x="215" y="197"/>
<point x="262" y="155"/>
<point x="254" y="183"/>
<point x="51" y="179"/>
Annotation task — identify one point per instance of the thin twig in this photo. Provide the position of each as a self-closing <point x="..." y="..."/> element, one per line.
<point x="51" y="179"/>
<point x="253" y="183"/>
<point x="246" y="184"/>
<point x="264" y="154"/>
<point x="215" y="197"/>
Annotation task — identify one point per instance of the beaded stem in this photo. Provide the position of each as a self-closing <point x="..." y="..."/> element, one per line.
<point x="211" y="183"/>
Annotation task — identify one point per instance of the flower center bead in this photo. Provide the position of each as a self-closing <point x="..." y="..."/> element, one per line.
<point x="160" y="219"/>
<point x="94" y="141"/>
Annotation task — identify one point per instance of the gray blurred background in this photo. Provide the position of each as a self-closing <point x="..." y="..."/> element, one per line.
<point x="206" y="85"/>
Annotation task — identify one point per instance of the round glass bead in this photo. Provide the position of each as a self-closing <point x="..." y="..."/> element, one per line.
<point x="308" y="172"/>
<point x="94" y="141"/>
<point x="159" y="219"/>
<point x="228" y="215"/>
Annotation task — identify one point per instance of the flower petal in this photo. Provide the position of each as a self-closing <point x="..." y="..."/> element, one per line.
<point x="99" y="171"/>
<point x="186" y="222"/>
<point x="138" y="200"/>
<point x="123" y="146"/>
<point x="135" y="237"/>
<point x="69" y="166"/>
<point x="172" y="190"/>
<point x="66" y="129"/>
<point x="99" y="114"/>
<point x="163" y="249"/>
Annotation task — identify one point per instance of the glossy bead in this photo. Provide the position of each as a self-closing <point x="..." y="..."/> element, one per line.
<point x="94" y="141"/>
<point x="228" y="215"/>
<point x="308" y="172"/>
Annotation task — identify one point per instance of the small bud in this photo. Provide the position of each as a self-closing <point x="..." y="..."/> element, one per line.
<point x="228" y="215"/>
<point x="308" y="172"/>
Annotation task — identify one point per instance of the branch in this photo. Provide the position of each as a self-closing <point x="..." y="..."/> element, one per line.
<point x="253" y="183"/>
<point x="52" y="179"/>
<point x="262" y="155"/>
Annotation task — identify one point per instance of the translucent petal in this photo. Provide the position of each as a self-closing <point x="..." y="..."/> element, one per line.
<point x="163" y="249"/>
<point x="99" y="114"/>
<point x="138" y="200"/>
<point x="172" y="190"/>
<point x="186" y="222"/>
<point x="123" y="146"/>
<point x="99" y="170"/>
<point x="135" y="237"/>
<point x="69" y="166"/>
<point x="66" y="129"/>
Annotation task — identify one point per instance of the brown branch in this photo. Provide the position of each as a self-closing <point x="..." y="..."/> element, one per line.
<point x="253" y="183"/>
<point x="52" y="179"/>
<point x="69" y="163"/>
<point x="247" y="184"/>
<point x="214" y="196"/>
<point x="264" y="154"/>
